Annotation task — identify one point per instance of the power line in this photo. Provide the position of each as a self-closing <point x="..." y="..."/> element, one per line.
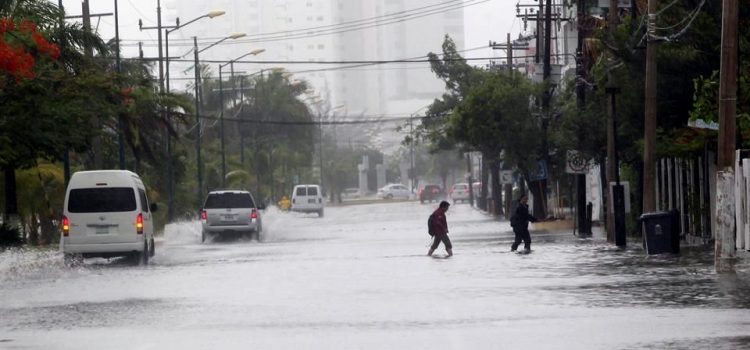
<point x="316" y="123"/>
<point x="345" y="28"/>
<point x="372" y="62"/>
<point x="418" y="10"/>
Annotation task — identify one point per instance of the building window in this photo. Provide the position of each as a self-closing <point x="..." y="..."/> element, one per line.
<point x="320" y="18"/>
<point x="321" y="46"/>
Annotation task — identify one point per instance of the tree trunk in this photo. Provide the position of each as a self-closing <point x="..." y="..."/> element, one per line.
<point x="497" y="202"/>
<point x="11" y="203"/>
<point x="538" y="190"/>
<point x="32" y="237"/>
<point x="482" y="200"/>
<point x="508" y="194"/>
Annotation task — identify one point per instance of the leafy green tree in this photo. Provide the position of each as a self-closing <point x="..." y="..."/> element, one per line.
<point x="496" y="118"/>
<point x="266" y="118"/>
<point x="49" y="110"/>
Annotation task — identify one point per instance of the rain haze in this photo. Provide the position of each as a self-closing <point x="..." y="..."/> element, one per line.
<point x="316" y="220"/>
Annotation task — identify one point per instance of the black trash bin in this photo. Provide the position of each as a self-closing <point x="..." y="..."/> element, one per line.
<point x="661" y="232"/>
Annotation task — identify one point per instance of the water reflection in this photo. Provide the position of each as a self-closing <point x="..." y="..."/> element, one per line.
<point x="630" y="278"/>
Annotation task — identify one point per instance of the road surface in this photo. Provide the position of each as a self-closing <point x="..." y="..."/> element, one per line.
<point x="358" y="278"/>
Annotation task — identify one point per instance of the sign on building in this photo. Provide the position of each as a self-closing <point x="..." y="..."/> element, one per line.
<point x="506" y="177"/>
<point x="620" y="3"/>
<point x="575" y="163"/>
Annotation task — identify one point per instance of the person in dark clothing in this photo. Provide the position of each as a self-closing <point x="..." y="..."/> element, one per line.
<point x="520" y="223"/>
<point x="440" y="229"/>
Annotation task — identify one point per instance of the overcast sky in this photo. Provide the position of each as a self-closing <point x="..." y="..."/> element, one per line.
<point x="486" y="21"/>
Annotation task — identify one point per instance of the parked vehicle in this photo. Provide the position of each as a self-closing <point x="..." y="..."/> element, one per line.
<point x="308" y="199"/>
<point x="231" y="212"/>
<point x="106" y="213"/>
<point x="394" y="191"/>
<point x="431" y="193"/>
<point x="350" y="193"/>
<point x="460" y="192"/>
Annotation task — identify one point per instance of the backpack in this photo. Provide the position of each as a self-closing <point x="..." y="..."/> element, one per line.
<point x="429" y="224"/>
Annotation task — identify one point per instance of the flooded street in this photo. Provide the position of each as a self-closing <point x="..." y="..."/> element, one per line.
<point x="359" y="278"/>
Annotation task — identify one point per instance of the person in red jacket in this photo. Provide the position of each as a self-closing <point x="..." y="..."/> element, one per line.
<point x="440" y="229"/>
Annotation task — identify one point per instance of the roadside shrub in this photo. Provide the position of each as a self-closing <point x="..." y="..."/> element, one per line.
<point x="10" y="236"/>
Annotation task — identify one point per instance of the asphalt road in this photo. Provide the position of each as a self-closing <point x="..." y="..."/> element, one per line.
<point x="359" y="278"/>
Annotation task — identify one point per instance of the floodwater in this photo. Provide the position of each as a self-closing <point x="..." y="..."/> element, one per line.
<point x="359" y="278"/>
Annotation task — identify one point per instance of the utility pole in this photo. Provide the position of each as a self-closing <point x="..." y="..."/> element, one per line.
<point x="66" y="154"/>
<point x="412" y="174"/>
<point x="120" y="121"/>
<point x="543" y="54"/>
<point x="540" y="208"/>
<point x="725" y="205"/>
<point x="649" y="125"/>
<point x="96" y="142"/>
<point x="199" y="165"/>
<point x="615" y="193"/>
<point x="509" y="46"/>
<point x="582" y="216"/>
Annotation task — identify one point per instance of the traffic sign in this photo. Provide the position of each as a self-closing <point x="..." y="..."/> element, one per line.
<point x="576" y="164"/>
<point x="506" y="177"/>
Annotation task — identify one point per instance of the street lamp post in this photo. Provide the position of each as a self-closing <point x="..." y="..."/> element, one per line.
<point x="221" y="103"/>
<point x="164" y="77"/>
<point x="196" y="67"/>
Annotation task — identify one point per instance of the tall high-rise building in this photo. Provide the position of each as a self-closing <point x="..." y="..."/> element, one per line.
<point x="393" y="30"/>
<point x="399" y="30"/>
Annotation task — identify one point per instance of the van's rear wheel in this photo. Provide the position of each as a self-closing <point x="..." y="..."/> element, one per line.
<point x="141" y="258"/>
<point x="203" y="236"/>
<point x="71" y="260"/>
<point x="153" y="248"/>
<point x="320" y="213"/>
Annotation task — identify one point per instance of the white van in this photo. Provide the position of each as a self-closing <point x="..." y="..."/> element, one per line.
<point x="106" y="214"/>
<point x="308" y="199"/>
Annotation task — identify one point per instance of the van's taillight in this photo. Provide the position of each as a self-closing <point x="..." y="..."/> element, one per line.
<point x="204" y="215"/>
<point x="65" y="226"/>
<point x="139" y="223"/>
<point x="254" y="214"/>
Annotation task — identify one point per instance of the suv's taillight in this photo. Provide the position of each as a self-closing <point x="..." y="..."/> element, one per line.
<point x="254" y="214"/>
<point x="139" y="223"/>
<point x="65" y="226"/>
<point x="204" y="215"/>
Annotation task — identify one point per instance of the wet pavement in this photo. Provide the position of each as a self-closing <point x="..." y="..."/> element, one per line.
<point x="359" y="278"/>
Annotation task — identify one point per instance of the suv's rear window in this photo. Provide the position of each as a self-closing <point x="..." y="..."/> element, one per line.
<point x="229" y="200"/>
<point x="306" y="191"/>
<point x="101" y="200"/>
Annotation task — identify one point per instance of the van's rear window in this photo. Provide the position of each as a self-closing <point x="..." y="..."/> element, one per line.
<point x="229" y="200"/>
<point x="302" y="191"/>
<point x="101" y="200"/>
<point x="312" y="191"/>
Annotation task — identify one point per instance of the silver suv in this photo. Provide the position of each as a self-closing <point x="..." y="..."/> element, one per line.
<point x="231" y="212"/>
